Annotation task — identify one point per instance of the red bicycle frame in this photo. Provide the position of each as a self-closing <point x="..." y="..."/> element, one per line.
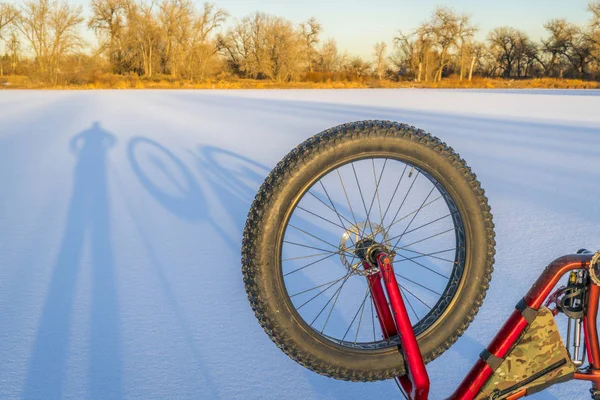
<point x="395" y="321"/>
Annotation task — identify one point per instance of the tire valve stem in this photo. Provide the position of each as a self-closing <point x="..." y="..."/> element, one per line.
<point x="411" y="172"/>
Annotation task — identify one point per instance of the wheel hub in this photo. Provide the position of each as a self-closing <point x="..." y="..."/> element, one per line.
<point x="358" y="243"/>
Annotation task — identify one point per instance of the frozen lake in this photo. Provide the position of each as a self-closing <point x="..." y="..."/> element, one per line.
<point x="142" y="297"/>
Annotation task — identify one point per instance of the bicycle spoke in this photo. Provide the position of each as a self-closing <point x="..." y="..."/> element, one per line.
<point x="394" y="194"/>
<point x="386" y="334"/>
<point x="427" y="238"/>
<point x="403" y="201"/>
<point x="414" y="216"/>
<point x="367" y="223"/>
<point x="314" y="248"/>
<point x="332" y="207"/>
<point x="361" y="315"/>
<point x="422" y="226"/>
<point x="356" y="315"/>
<point x="418" y="284"/>
<point x="314" y="288"/>
<point x="347" y="199"/>
<point x="318" y="216"/>
<point x="322" y="291"/>
<point x="411" y="213"/>
<point x="332" y="307"/>
<point x="329" y="301"/>
<point x="409" y="303"/>
<point x="421" y="265"/>
<point x="377" y="189"/>
<point x="309" y="256"/>
<point x="308" y="265"/>
<point x="413" y="295"/>
<point x="373" y="318"/>
<point x="316" y="237"/>
<point x="432" y="255"/>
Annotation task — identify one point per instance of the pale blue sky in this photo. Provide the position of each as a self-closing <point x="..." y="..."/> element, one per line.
<point x="358" y="24"/>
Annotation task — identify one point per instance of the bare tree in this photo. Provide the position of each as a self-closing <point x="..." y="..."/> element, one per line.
<point x="477" y="52"/>
<point x="328" y="58"/>
<point x="466" y="31"/>
<point x="412" y="54"/>
<point x="263" y="46"/>
<point x="380" y="59"/>
<point x="558" y="44"/>
<point x="108" y="21"/>
<point x="594" y="35"/>
<point x="504" y="43"/>
<point x="568" y="46"/>
<point x="144" y="35"/>
<point x="309" y="31"/>
<point x="51" y="28"/>
<point x="13" y="45"/>
<point x="357" y="67"/>
<point x="594" y="8"/>
<point x="8" y="16"/>
<point x="443" y="28"/>
<point x="404" y="56"/>
<point x="202" y="47"/>
<point x="174" y="18"/>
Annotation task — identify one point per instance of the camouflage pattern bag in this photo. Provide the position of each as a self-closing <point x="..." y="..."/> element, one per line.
<point x="537" y="360"/>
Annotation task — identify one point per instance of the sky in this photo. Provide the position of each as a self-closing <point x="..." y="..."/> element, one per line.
<point x="357" y="25"/>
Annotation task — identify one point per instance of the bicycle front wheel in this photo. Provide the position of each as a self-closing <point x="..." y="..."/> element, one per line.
<point x="350" y="187"/>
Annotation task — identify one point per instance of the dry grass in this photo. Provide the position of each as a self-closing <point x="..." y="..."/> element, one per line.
<point x="110" y="81"/>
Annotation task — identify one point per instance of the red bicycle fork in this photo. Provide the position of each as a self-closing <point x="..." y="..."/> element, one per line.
<point x="397" y="322"/>
<point x="394" y="320"/>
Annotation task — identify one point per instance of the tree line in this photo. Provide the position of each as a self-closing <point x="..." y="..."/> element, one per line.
<point x="179" y="40"/>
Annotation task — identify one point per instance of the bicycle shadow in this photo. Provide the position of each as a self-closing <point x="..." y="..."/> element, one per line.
<point x="88" y="220"/>
<point x="170" y="182"/>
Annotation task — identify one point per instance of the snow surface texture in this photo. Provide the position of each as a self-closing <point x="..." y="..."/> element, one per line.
<point x="143" y="297"/>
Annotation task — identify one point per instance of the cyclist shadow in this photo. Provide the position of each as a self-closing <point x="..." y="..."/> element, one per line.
<point x="88" y="220"/>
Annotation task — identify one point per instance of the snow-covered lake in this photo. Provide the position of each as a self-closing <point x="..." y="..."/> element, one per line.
<point x="143" y="298"/>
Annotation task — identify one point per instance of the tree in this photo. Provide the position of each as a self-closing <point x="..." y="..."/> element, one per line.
<point x="412" y="54"/>
<point x="594" y="35"/>
<point x="109" y="22"/>
<point x="263" y="46"/>
<point x="357" y="67"/>
<point x="558" y="44"/>
<point x="13" y="45"/>
<point x="201" y="45"/>
<point x="568" y="46"/>
<point x="380" y="60"/>
<point x="309" y="31"/>
<point x="328" y="58"/>
<point x="581" y="52"/>
<point x="443" y="28"/>
<point x="594" y="8"/>
<point x="504" y="44"/>
<point x="465" y="33"/>
<point x="174" y="19"/>
<point x="8" y="16"/>
<point x="143" y="36"/>
<point x="477" y="52"/>
<point x="51" y="28"/>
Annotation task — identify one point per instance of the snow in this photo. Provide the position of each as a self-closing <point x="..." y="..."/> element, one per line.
<point x="143" y="297"/>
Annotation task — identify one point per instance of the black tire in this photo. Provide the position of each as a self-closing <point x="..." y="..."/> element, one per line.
<point x="278" y="196"/>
